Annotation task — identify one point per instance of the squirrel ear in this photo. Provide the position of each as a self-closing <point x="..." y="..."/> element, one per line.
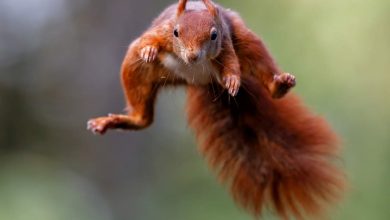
<point x="181" y="7"/>
<point x="211" y="7"/>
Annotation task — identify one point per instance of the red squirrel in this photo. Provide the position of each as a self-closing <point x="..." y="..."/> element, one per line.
<point x="264" y="144"/>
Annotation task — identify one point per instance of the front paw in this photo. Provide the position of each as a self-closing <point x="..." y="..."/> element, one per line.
<point x="232" y="84"/>
<point x="149" y="53"/>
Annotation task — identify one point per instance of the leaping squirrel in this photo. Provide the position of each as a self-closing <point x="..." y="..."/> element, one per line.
<point x="265" y="145"/>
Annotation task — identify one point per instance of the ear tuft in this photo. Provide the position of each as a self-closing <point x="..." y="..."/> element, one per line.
<point x="211" y="7"/>
<point x="181" y="7"/>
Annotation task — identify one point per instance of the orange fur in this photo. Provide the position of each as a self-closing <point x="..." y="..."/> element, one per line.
<point x="271" y="152"/>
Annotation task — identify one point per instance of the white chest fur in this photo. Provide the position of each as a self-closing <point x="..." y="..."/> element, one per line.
<point x="199" y="73"/>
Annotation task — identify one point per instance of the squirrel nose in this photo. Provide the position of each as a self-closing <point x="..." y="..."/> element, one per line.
<point x="193" y="57"/>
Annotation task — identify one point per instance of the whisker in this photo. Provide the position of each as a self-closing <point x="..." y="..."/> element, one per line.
<point x="218" y="96"/>
<point x="223" y="65"/>
<point x="211" y="78"/>
<point x="166" y="79"/>
<point x="138" y="60"/>
<point x="235" y="101"/>
<point x="248" y="91"/>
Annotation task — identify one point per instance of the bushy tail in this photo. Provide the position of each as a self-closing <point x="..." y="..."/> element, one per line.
<point x="271" y="152"/>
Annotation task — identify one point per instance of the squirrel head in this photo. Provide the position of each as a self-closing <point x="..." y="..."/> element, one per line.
<point x="198" y="32"/>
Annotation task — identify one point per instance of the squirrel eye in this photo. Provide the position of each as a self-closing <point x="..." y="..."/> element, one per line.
<point x="214" y="35"/>
<point x="176" y="33"/>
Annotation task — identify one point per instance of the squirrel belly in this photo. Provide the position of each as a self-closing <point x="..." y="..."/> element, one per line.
<point x="199" y="73"/>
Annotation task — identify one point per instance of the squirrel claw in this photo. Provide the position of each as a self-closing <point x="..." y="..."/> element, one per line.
<point x="149" y="53"/>
<point x="283" y="83"/>
<point x="100" y="125"/>
<point x="285" y="80"/>
<point x="92" y="126"/>
<point x="232" y="84"/>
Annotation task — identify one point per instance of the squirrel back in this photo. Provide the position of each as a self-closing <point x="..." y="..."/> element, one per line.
<point x="270" y="152"/>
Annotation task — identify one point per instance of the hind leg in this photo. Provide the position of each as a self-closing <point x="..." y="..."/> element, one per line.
<point x="140" y="114"/>
<point x="139" y="82"/>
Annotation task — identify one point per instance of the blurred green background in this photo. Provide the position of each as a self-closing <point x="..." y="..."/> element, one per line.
<point x="59" y="65"/>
